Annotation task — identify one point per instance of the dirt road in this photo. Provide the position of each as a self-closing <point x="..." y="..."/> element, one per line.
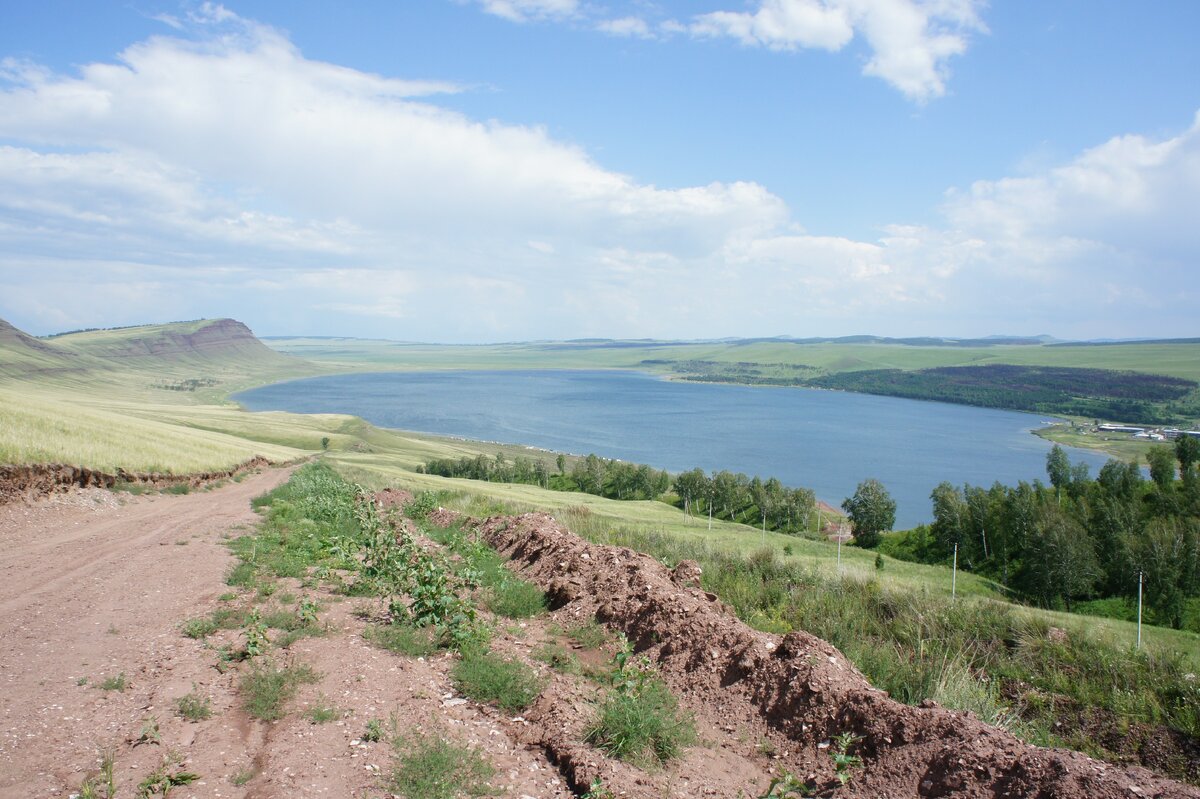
<point x="93" y="586"/>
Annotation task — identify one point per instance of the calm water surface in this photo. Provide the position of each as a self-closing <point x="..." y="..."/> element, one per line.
<point x="825" y="440"/>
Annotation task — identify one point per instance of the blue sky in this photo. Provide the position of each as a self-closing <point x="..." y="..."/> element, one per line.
<point x="485" y="170"/>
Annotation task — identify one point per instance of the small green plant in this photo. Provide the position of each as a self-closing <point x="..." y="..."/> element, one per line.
<point x="428" y="766"/>
<point x="486" y="677"/>
<point x="242" y="777"/>
<point x="421" y="505"/>
<point x="193" y="706"/>
<point x="255" y="630"/>
<point x="118" y="683"/>
<point x="81" y="681"/>
<point x="559" y="658"/>
<point x="322" y="713"/>
<point x="784" y="786"/>
<point x="104" y="780"/>
<point x="844" y="763"/>
<point x="149" y="733"/>
<point x="307" y="611"/>
<point x="597" y="791"/>
<point x="374" y="731"/>
<point x="266" y="689"/>
<point x="241" y="575"/>
<point x="228" y="596"/>
<point x="402" y="638"/>
<point x="589" y="634"/>
<point x="165" y="777"/>
<point x="178" y="488"/>
<point x="200" y="627"/>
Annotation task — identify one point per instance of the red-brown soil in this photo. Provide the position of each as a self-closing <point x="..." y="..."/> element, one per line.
<point x="97" y="584"/>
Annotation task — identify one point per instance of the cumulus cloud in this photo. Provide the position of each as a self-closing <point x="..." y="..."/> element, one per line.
<point x="223" y="173"/>
<point x="910" y="40"/>
<point x="526" y="10"/>
<point x="627" y="27"/>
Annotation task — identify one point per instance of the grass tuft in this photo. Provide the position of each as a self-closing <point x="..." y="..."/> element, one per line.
<point x="266" y="688"/>
<point x="428" y="766"/>
<point x="487" y="677"/>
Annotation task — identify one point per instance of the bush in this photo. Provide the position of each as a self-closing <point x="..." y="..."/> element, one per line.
<point x="516" y="599"/>
<point x="267" y="688"/>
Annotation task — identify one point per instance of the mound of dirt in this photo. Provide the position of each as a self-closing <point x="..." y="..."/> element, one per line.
<point x="798" y="691"/>
<point x="33" y="481"/>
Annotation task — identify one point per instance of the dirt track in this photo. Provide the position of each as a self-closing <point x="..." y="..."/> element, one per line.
<point x="90" y="589"/>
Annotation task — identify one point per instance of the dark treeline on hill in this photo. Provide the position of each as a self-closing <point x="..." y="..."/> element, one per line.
<point x="1079" y="540"/>
<point x="1080" y="392"/>
<point x="722" y="495"/>
<point x="1096" y="393"/>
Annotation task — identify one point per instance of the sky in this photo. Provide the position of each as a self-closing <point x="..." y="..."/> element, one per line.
<point x="505" y="170"/>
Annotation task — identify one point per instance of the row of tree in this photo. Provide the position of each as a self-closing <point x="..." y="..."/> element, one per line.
<point x="1078" y="538"/>
<point x="722" y="495"/>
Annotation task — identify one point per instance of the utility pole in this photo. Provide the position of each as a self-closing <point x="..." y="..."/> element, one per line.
<point x="1139" y="634"/>
<point x="954" y="575"/>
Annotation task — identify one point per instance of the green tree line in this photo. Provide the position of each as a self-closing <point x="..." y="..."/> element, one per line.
<point x="720" y="495"/>
<point x="1078" y="539"/>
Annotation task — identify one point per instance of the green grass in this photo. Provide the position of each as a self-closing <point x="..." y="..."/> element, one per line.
<point x="486" y="677"/>
<point x="193" y="706"/>
<point x="644" y="727"/>
<point x="428" y="766"/>
<point x="200" y="627"/>
<point x="322" y="713"/>
<point x="516" y="599"/>
<point x="266" y="688"/>
<point x="403" y="639"/>
<point x="117" y="683"/>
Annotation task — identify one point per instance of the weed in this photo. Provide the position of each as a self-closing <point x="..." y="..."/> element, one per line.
<point x="178" y="488"/>
<point x="286" y="598"/>
<point x="374" y="731"/>
<point x="266" y="589"/>
<point x="242" y="777"/>
<point x="589" y="634"/>
<point x="322" y="713"/>
<point x="81" y="681"/>
<point x="199" y="627"/>
<point x="149" y="733"/>
<point x="193" y="706"/>
<point x="402" y="638"/>
<point x="516" y="599"/>
<point x="430" y="767"/>
<point x="786" y="785"/>
<point x="227" y="597"/>
<point x="164" y="778"/>
<point x="640" y="721"/>
<point x="255" y="630"/>
<point x="118" y="683"/>
<point x="307" y="611"/>
<point x="266" y="689"/>
<point x="845" y="763"/>
<point x="105" y="779"/>
<point x="241" y="575"/>
<point x="597" y="791"/>
<point x="486" y="677"/>
<point x="559" y="658"/>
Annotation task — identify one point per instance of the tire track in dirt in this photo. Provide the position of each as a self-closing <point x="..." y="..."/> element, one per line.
<point x="88" y="593"/>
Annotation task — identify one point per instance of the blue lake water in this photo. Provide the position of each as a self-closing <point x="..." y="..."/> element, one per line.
<point x="824" y="440"/>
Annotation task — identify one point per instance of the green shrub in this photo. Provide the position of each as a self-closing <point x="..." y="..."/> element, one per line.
<point x="486" y="677"/>
<point x="241" y="575"/>
<point x="193" y="706"/>
<point x="200" y="627"/>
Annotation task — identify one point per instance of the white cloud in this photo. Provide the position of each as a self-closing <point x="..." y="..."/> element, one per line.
<point x="525" y="10"/>
<point x="627" y="27"/>
<point x="910" y="40"/>
<point x="230" y="175"/>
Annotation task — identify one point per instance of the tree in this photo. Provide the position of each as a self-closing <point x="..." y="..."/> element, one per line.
<point x="1162" y="466"/>
<point x="1058" y="468"/>
<point x="1060" y="559"/>
<point x="949" y="517"/>
<point x="872" y="512"/>
<point x="561" y="462"/>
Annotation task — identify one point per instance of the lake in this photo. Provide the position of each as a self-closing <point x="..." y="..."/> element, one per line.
<point x="824" y="440"/>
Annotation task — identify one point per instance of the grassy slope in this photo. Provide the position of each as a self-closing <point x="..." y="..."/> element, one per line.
<point x="1178" y="360"/>
<point x="109" y="414"/>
